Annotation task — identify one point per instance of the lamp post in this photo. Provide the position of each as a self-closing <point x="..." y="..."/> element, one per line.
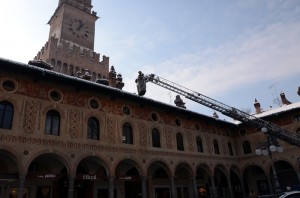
<point x="268" y="148"/>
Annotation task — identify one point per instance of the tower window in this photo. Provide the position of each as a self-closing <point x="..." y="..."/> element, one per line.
<point x="230" y="149"/>
<point x="247" y="147"/>
<point x="155" y="138"/>
<point x="216" y="147"/>
<point x="199" y="145"/>
<point x="6" y="114"/>
<point x="52" y="126"/>
<point x="127" y="135"/>
<point x="179" y="141"/>
<point x="93" y="129"/>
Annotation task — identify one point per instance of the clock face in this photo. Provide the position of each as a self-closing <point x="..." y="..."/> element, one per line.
<point x="79" y="28"/>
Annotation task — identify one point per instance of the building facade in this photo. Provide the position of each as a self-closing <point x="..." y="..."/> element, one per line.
<point x="65" y="135"/>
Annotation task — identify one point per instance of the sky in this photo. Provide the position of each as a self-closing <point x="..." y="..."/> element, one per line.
<point x="230" y="50"/>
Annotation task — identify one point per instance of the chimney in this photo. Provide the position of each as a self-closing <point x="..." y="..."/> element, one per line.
<point x="215" y="115"/>
<point x="298" y="91"/>
<point x="257" y="106"/>
<point x="179" y="102"/>
<point x="284" y="100"/>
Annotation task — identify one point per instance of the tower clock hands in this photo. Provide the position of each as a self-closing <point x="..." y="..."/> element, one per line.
<point x="80" y="25"/>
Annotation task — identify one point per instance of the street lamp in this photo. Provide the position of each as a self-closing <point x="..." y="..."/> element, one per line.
<point x="267" y="148"/>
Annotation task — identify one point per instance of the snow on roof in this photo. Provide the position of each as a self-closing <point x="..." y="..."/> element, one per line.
<point x="281" y="109"/>
<point x="274" y="111"/>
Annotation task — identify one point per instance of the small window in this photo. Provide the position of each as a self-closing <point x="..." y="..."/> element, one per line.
<point x="177" y="122"/>
<point x="126" y="110"/>
<point x="155" y="138"/>
<point x="298" y="131"/>
<point x="243" y="132"/>
<point x="127" y="135"/>
<point x="6" y="114"/>
<point x="216" y="147"/>
<point x="9" y="85"/>
<point x="230" y="149"/>
<point x="197" y="127"/>
<point x="52" y="126"/>
<point x="94" y="104"/>
<point x="93" y="129"/>
<point x="247" y="147"/>
<point x="154" y="117"/>
<point x="297" y="118"/>
<point x="55" y="95"/>
<point x="179" y="141"/>
<point x="199" y="145"/>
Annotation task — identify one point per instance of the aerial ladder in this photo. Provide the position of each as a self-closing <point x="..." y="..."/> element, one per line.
<point x="265" y="126"/>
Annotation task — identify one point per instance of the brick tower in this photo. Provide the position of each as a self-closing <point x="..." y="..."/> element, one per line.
<point x="70" y="46"/>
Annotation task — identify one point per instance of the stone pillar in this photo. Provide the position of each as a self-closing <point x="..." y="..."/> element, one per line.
<point x="213" y="187"/>
<point x="298" y="173"/>
<point x="195" y="190"/>
<point x="173" y="190"/>
<point x="230" y="187"/>
<point x="243" y="186"/>
<point x="270" y="185"/>
<point x="111" y="187"/>
<point x="21" y="186"/>
<point x="144" y="187"/>
<point x="71" y="186"/>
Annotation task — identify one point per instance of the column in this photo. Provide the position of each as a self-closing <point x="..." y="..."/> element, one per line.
<point x="21" y="186"/>
<point x="144" y="187"/>
<point x="270" y="185"/>
<point x="71" y="186"/>
<point x="298" y="175"/>
<point x="195" y="189"/>
<point x="243" y="186"/>
<point x="230" y="187"/>
<point x="173" y="190"/>
<point x="111" y="187"/>
<point x="213" y="187"/>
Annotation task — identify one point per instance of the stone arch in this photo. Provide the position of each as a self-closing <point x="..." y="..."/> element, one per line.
<point x="161" y="163"/>
<point x="56" y="154"/>
<point x="252" y="174"/>
<point x="54" y="107"/>
<point x="131" y="161"/>
<point x="185" y="164"/>
<point x="221" y="180"/>
<point x="8" y="157"/>
<point x="236" y="183"/>
<point x="286" y="173"/>
<point x="102" y="161"/>
<point x="204" y="166"/>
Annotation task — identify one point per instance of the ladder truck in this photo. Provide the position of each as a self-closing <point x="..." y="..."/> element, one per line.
<point x="264" y="126"/>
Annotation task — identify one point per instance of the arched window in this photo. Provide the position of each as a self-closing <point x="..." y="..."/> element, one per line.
<point x="199" y="145"/>
<point x="127" y="136"/>
<point x="6" y="114"/>
<point x="247" y="147"/>
<point x="179" y="141"/>
<point x="52" y="125"/>
<point x="155" y="138"/>
<point x="216" y="147"/>
<point x="93" y="129"/>
<point x="297" y="118"/>
<point x="230" y="149"/>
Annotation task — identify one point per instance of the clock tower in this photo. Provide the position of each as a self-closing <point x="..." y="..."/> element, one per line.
<point x="70" y="46"/>
<point x="74" y="22"/>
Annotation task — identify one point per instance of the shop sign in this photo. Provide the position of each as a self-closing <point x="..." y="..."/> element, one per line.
<point x="42" y="176"/>
<point x="89" y="177"/>
<point x="46" y="176"/>
<point x="129" y="178"/>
